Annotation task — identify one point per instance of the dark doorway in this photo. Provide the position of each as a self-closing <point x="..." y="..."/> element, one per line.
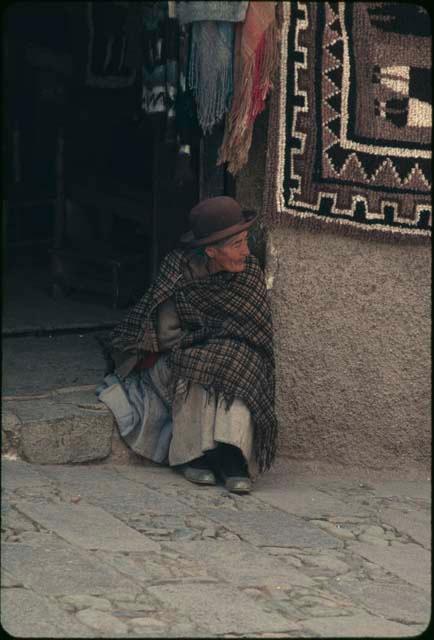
<point x="92" y="202"/>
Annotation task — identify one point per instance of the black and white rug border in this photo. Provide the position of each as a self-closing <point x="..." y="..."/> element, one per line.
<point x="325" y="211"/>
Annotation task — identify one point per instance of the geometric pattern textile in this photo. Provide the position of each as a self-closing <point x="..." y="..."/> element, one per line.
<point x="349" y="142"/>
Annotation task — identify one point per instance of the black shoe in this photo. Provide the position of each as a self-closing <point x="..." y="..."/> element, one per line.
<point x="236" y="484"/>
<point x="199" y="463"/>
<point x="233" y="469"/>
<point x="198" y="471"/>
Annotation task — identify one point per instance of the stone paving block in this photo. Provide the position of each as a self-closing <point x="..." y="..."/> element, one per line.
<point x="148" y="502"/>
<point x="217" y="497"/>
<point x="101" y="621"/>
<point x="88" y="527"/>
<point x="11" y="431"/>
<point x="56" y="406"/>
<point x="408" y="561"/>
<point x="128" y="610"/>
<point x="303" y="500"/>
<point x="16" y="521"/>
<point x="325" y="563"/>
<point x="336" y="530"/>
<point x="92" y="478"/>
<point x="37" y="364"/>
<point x="25" y="614"/>
<point x="104" y="486"/>
<point x="177" y="631"/>
<point x="152" y="474"/>
<point x="416" y="524"/>
<point x="151" y="567"/>
<point x="395" y="601"/>
<point x="220" y="608"/>
<point x="17" y="474"/>
<point x="55" y="431"/>
<point x="362" y="625"/>
<point x="344" y="485"/>
<point x="78" y="602"/>
<point x="8" y="580"/>
<point x="58" y="569"/>
<point x="273" y="529"/>
<point x="403" y="489"/>
<point x="35" y="538"/>
<point x="82" y="397"/>
<point x="148" y="622"/>
<point x="373" y="540"/>
<point x="242" y="564"/>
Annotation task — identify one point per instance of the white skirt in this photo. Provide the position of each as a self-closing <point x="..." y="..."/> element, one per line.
<point x="177" y="432"/>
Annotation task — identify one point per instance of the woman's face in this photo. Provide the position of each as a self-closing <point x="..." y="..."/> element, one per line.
<point x="231" y="256"/>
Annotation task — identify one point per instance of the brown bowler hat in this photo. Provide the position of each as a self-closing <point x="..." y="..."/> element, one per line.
<point x="214" y="219"/>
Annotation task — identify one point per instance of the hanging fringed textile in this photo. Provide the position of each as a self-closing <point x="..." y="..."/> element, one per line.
<point x="256" y="47"/>
<point x="210" y="74"/>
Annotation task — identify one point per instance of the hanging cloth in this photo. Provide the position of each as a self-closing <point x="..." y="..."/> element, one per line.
<point x="256" y="42"/>
<point x="210" y="73"/>
<point x="187" y="126"/>
<point x="160" y="64"/>
<point x="172" y="8"/>
<point x="212" y="10"/>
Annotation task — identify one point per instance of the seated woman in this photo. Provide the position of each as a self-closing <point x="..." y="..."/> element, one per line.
<point x="205" y="399"/>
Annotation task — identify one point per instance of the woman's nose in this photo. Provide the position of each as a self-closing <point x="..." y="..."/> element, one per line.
<point x="245" y="249"/>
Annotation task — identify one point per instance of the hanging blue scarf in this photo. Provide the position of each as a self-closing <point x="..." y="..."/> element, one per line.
<point x="210" y="73"/>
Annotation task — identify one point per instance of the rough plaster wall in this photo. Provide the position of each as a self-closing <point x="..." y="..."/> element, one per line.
<point x="352" y="322"/>
<point x="352" y="327"/>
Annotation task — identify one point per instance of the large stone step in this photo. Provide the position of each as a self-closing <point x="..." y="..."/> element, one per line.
<point x="67" y="425"/>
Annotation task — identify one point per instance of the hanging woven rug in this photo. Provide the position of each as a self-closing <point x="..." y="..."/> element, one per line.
<point x="349" y="141"/>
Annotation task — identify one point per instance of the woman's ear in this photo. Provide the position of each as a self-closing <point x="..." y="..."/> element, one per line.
<point x="210" y="252"/>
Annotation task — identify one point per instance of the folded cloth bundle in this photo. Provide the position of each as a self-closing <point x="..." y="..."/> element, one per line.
<point x="199" y="11"/>
<point x="256" y="46"/>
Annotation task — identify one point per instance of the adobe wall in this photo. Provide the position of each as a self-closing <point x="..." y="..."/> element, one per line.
<point x="352" y="321"/>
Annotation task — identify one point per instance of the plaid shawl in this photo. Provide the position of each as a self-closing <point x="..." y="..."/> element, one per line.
<point x="228" y="345"/>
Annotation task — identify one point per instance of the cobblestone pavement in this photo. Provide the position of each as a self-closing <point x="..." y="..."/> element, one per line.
<point x="137" y="551"/>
